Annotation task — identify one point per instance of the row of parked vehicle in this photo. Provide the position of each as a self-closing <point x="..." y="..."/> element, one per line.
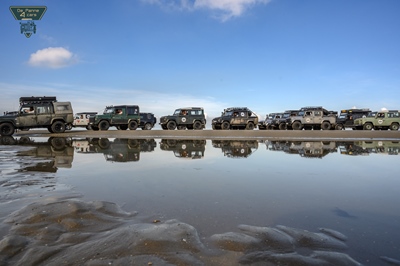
<point x="47" y="112"/>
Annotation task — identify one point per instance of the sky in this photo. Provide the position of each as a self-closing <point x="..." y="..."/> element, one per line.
<point x="267" y="55"/>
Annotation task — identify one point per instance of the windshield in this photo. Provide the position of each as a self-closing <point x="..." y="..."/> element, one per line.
<point x="177" y="112"/>
<point x="108" y="110"/>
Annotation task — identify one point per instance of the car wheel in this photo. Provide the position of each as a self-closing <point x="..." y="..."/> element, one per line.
<point x="89" y="127"/>
<point x="368" y="126"/>
<point x="250" y="126"/>
<point x="297" y="125"/>
<point x="326" y="125"/>
<point x="225" y="125"/>
<point x="58" y="127"/>
<point x="7" y="129"/>
<point x="147" y="126"/>
<point x="171" y="125"/>
<point x="104" y="125"/>
<point x="394" y="127"/>
<point x="197" y="125"/>
<point x="133" y="125"/>
<point x="339" y="127"/>
<point x="57" y="143"/>
<point x="282" y="126"/>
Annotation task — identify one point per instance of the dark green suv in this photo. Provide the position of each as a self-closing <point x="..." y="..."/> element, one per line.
<point x="236" y="118"/>
<point x="121" y="116"/>
<point x="184" y="118"/>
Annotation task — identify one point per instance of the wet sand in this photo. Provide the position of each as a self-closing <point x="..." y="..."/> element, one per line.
<point x="224" y="134"/>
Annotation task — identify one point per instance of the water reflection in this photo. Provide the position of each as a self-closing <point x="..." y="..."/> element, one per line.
<point x="117" y="150"/>
<point x="58" y="150"/>
<point x="236" y="148"/>
<point x="183" y="148"/>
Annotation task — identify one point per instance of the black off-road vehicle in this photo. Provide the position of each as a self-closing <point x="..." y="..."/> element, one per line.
<point x="346" y="117"/>
<point x="271" y="121"/>
<point x="236" y="118"/>
<point x="287" y="114"/>
<point x="236" y="148"/>
<point x="120" y="116"/>
<point x="147" y="121"/>
<point x="38" y="112"/>
<point x="184" y="118"/>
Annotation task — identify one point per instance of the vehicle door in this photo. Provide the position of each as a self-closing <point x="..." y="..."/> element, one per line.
<point x="380" y="118"/>
<point x="44" y="114"/>
<point x="27" y="117"/>
<point x="119" y="116"/>
<point x="184" y="117"/>
<point x="317" y="117"/>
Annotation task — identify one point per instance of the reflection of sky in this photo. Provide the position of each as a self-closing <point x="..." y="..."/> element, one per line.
<point x="216" y="193"/>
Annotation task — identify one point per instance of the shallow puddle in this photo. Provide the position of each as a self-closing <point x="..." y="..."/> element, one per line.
<point x="198" y="202"/>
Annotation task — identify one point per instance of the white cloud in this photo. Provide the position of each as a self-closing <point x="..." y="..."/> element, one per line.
<point x="52" y="57"/>
<point x="228" y="8"/>
<point x="224" y="9"/>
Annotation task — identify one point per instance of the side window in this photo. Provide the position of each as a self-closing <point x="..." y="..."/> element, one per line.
<point x="43" y="110"/>
<point x="62" y="108"/>
<point x="193" y="112"/>
<point x="317" y="113"/>
<point x="132" y="110"/>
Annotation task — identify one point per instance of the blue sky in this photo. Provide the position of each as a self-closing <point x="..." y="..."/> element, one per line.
<point x="267" y="55"/>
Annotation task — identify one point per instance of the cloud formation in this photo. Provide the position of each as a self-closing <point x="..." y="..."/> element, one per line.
<point x="224" y="9"/>
<point x="52" y="57"/>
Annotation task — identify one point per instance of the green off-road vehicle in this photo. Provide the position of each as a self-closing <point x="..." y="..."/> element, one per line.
<point x="38" y="112"/>
<point x="382" y="120"/>
<point x="236" y="118"/>
<point x="121" y="116"/>
<point x="184" y="118"/>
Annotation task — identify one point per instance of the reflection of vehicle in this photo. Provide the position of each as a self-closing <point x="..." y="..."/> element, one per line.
<point x="348" y="148"/>
<point x="192" y="149"/>
<point x="82" y="119"/>
<point x="147" y="121"/>
<point x="119" y="150"/>
<point x="38" y="112"/>
<point x="385" y="147"/>
<point x="236" y="148"/>
<point x="382" y="120"/>
<point x="236" y="118"/>
<point x="58" y="150"/>
<point x="184" y="118"/>
<point x="121" y="116"/>
<point x="312" y="118"/>
<point x="347" y="117"/>
<point x="311" y="149"/>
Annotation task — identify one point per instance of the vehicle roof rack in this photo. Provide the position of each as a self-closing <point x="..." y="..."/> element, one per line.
<point x="311" y="108"/>
<point x="236" y="108"/>
<point x="35" y="99"/>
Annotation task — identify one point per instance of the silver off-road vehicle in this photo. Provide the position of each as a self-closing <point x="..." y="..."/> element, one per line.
<point x="38" y="112"/>
<point x="312" y="118"/>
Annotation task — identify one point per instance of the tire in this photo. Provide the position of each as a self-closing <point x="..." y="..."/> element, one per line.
<point x="368" y="126"/>
<point x="58" y="127"/>
<point x="197" y="125"/>
<point x="104" y="125"/>
<point x="297" y="125"/>
<point x="171" y="125"/>
<point x="282" y="126"/>
<point x="225" y="125"/>
<point x="147" y="126"/>
<point x="58" y="143"/>
<point x="104" y="143"/>
<point x="214" y="127"/>
<point x="326" y="125"/>
<point x="7" y="129"/>
<point x="123" y="127"/>
<point x="164" y="127"/>
<point x="94" y="128"/>
<point x="394" y="126"/>
<point x="250" y="126"/>
<point x="133" y="125"/>
<point x="339" y="127"/>
<point x="89" y="127"/>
